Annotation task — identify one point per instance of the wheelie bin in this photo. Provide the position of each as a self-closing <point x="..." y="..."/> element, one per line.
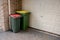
<point x="15" y="22"/>
<point x="24" y="19"/>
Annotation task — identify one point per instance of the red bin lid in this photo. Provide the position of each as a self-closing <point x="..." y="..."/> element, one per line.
<point x="15" y="15"/>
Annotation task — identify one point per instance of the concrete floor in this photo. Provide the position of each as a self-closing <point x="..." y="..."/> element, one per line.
<point x="26" y="35"/>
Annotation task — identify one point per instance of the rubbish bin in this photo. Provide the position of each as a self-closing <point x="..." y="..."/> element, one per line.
<point x="15" y="22"/>
<point x="24" y="19"/>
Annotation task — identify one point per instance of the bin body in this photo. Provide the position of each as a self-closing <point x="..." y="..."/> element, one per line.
<point x="24" y="20"/>
<point x="15" y="24"/>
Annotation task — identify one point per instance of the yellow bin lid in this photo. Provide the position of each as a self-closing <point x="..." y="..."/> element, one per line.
<point x="22" y="12"/>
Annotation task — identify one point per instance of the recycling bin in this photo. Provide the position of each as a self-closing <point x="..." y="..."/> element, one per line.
<point x="24" y="19"/>
<point x="15" y="22"/>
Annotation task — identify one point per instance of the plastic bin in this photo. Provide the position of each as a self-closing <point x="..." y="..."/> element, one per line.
<point x="24" y="19"/>
<point x="15" y="22"/>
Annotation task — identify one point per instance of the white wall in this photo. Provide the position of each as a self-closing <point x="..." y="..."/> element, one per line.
<point x="45" y="14"/>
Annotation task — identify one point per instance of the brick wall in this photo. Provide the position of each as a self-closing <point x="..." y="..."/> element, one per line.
<point x="15" y="5"/>
<point x="4" y="11"/>
<point x="1" y="14"/>
<point x="5" y="23"/>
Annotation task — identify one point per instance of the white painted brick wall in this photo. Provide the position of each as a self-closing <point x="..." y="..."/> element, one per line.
<point x="45" y="14"/>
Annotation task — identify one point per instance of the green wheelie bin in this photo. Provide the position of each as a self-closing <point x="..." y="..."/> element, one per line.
<point x="15" y="22"/>
<point x="24" y="19"/>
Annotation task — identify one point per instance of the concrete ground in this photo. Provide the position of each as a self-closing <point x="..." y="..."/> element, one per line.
<point x="26" y="35"/>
